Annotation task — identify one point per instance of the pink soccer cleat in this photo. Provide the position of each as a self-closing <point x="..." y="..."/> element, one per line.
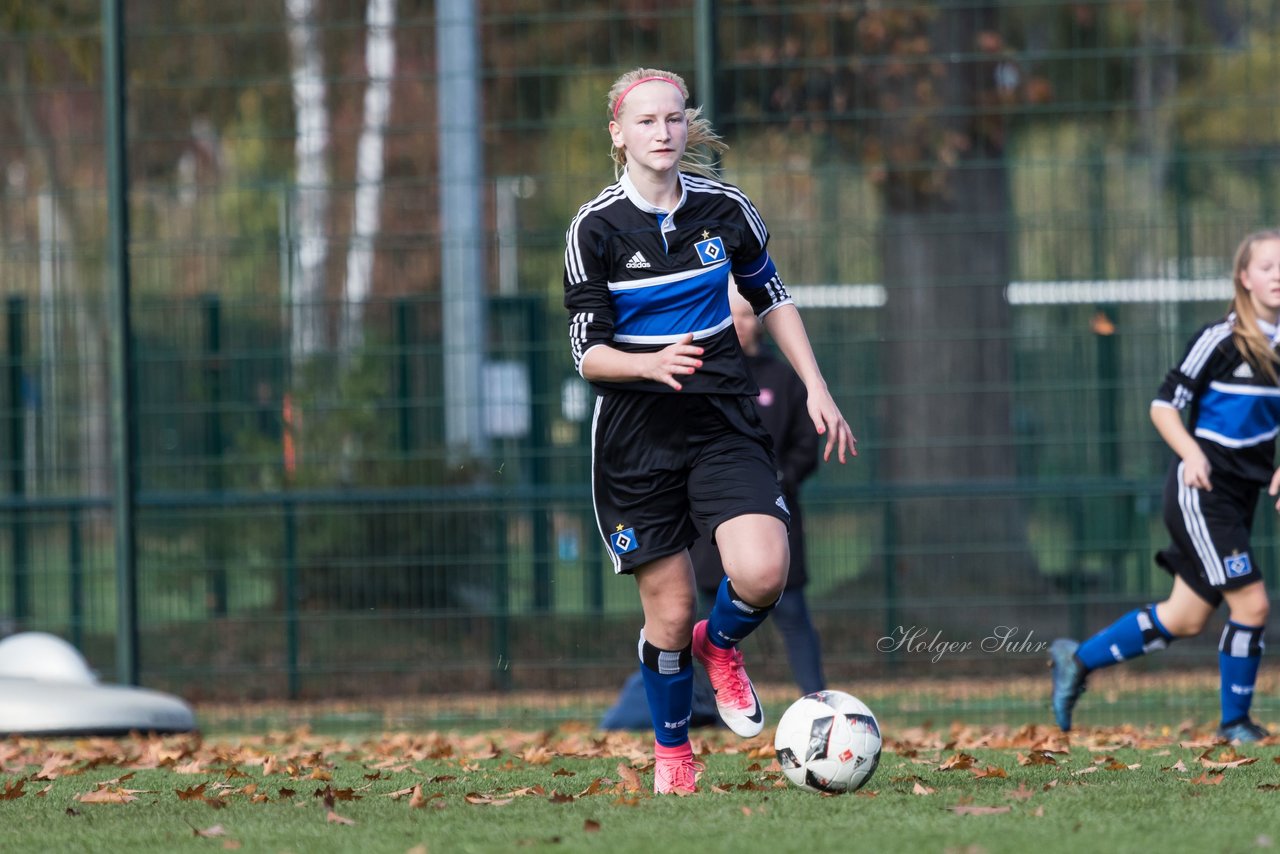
<point x="736" y="699"/>
<point x="674" y="771"/>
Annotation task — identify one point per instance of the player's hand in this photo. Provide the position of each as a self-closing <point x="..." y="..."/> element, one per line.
<point x="675" y="360"/>
<point x="1195" y="472"/>
<point x="830" y="423"/>
<point x="1274" y="488"/>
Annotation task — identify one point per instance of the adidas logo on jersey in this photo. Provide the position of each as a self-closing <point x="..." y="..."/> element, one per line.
<point x="1243" y="372"/>
<point x="637" y="261"/>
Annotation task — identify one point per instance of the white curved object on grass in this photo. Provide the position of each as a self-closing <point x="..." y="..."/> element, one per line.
<point x="47" y="688"/>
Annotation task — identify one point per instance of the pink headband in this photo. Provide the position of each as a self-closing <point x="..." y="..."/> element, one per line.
<point x="617" y="105"/>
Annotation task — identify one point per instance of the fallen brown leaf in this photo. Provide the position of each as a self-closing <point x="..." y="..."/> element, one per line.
<point x="333" y="818"/>
<point x="1037" y="757"/>
<point x="630" y="779"/>
<point x="990" y="772"/>
<point x="957" y="762"/>
<point x="1235" y="763"/>
<point x="106" y="796"/>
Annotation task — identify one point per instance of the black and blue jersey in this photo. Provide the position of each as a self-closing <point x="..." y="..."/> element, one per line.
<point x="1233" y="407"/>
<point x="638" y="277"/>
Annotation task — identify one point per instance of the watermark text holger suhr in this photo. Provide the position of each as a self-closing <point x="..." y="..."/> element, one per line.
<point x="918" y="640"/>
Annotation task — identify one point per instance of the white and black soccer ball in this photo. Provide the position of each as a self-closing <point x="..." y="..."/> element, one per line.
<point x="828" y="741"/>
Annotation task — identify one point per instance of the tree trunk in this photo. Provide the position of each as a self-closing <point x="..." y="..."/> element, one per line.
<point x="946" y="264"/>
<point x="311" y="148"/>
<point x="380" y="60"/>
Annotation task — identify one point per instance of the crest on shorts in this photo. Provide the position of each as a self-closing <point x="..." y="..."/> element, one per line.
<point x="1237" y="565"/>
<point x="623" y="540"/>
<point x="710" y="251"/>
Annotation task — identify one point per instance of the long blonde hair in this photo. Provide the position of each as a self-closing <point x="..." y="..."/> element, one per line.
<point x="1256" y="347"/>
<point x="704" y="145"/>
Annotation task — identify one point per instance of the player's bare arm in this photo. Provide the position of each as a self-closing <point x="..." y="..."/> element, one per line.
<point x="1195" y="465"/>
<point x="605" y="364"/>
<point x="787" y="330"/>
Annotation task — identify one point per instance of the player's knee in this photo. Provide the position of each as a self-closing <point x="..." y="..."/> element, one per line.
<point x="764" y="585"/>
<point x="1182" y="625"/>
<point x="760" y="576"/>
<point x="1252" y="613"/>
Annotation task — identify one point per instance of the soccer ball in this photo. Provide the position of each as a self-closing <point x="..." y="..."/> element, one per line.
<point x="828" y="741"/>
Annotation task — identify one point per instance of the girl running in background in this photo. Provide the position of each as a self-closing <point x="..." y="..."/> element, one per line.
<point x="1225" y="456"/>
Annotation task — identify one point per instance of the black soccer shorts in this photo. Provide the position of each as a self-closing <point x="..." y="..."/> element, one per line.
<point x="1210" y="531"/>
<point x="666" y="466"/>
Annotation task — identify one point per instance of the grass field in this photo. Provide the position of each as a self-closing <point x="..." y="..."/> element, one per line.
<point x="572" y="788"/>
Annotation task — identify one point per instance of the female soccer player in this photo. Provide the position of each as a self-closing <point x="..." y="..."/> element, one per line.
<point x="1228" y="381"/>
<point x="675" y="436"/>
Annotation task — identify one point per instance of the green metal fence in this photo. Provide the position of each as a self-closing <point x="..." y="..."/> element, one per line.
<point x="1001" y="221"/>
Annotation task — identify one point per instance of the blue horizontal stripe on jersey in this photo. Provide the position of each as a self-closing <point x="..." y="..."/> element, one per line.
<point x="1238" y="415"/>
<point x="667" y="307"/>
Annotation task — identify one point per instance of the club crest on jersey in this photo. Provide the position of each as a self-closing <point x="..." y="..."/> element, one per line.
<point x="710" y="251"/>
<point x="623" y="540"/>
<point x="1237" y="565"/>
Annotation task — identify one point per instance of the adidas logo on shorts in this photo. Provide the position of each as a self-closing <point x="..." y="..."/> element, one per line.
<point x="637" y="261"/>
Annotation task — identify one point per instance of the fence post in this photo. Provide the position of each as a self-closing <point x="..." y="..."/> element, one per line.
<point x="1182" y="209"/>
<point x="15" y="312"/>
<point x="123" y="411"/>
<point x="214" y="447"/>
<point x="501" y="606"/>
<point x="544" y="514"/>
<point x="889" y="568"/>
<point x="594" y="561"/>
<point x="75" y="563"/>
<point x="1075" y="573"/>
<point x="291" y="596"/>
<point x="404" y="385"/>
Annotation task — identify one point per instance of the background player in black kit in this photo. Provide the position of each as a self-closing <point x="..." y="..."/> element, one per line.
<point x="1225" y="455"/>
<point x="675" y="436"/>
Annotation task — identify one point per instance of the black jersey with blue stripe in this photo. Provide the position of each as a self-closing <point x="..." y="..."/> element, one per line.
<point x="1233" y="407"/>
<point x="638" y="278"/>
